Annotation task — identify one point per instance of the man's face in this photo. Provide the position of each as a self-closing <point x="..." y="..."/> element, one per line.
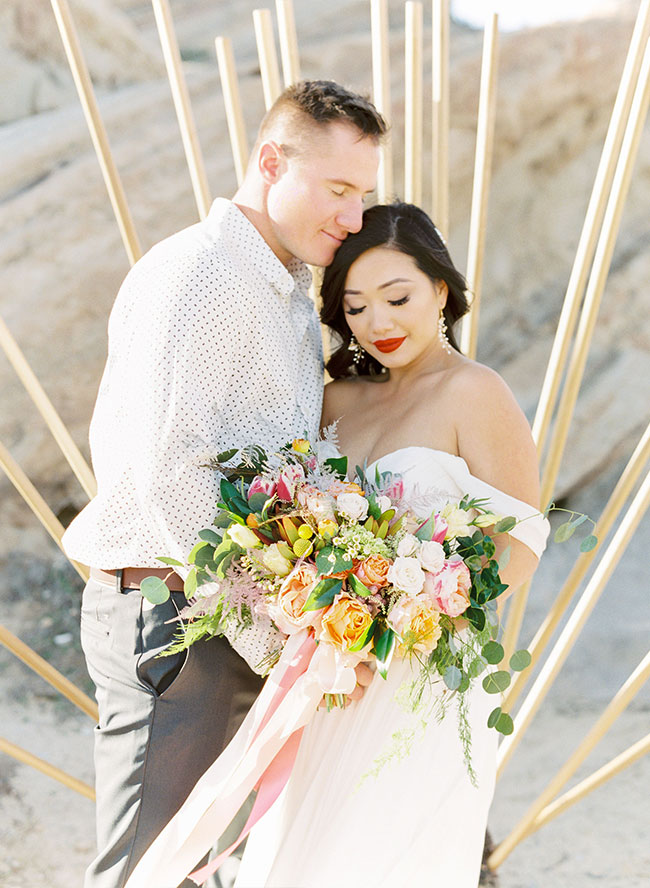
<point x="316" y="199"/>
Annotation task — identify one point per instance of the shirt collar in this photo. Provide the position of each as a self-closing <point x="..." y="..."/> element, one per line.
<point x="234" y="229"/>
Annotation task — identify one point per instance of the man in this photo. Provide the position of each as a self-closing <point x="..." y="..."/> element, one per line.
<point x="213" y="343"/>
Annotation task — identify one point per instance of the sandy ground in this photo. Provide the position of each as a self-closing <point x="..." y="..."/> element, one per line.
<point x="46" y="831"/>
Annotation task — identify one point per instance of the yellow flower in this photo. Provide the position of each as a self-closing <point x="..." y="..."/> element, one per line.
<point x="416" y="622"/>
<point x="345" y="622"/>
<point x="300" y="445"/>
<point x="327" y="527"/>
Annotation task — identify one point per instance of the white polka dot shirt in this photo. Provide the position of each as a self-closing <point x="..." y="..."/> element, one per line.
<point x="213" y="343"/>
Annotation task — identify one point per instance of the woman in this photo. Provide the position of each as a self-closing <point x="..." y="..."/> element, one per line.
<point x="406" y="401"/>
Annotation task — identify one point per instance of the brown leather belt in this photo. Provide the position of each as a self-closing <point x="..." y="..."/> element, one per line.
<point x="133" y="576"/>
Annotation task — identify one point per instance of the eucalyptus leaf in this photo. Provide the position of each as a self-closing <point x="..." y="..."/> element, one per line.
<point x="452" y="678"/>
<point x="464" y="683"/>
<point x="210" y="536"/>
<point x="154" y="590"/>
<point x="477" y="666"/>
<point x="590" y="542"/>
<point x="494" y="717"/>
<point x="504" y="557"/>
<point x="564" y="532"/>
<point x="520" y="660"/>
<point x="504" y="724"/>
<point x="493" y="652"/>
<point x="505" y="525"/>
<point x="496" y="682"/>
<point x="190" y="583"/>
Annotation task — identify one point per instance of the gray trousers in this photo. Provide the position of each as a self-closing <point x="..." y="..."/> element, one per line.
<point x="162" y="720"/>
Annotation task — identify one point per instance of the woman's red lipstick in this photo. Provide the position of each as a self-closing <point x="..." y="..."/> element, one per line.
<point x="388" y="345"/>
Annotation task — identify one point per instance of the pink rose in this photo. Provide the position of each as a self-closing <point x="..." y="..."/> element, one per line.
<point x="261" y="485"/>
<point x="287" y="611"/>
<point x="289" y="478"/>
<point x="449" y="590"/>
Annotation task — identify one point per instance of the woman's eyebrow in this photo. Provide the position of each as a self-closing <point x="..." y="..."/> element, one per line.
<point x="380" y="287"/>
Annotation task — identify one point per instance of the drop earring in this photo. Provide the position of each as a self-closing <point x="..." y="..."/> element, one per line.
<point x="356" y="349"/>
<point x="442" y="333"/>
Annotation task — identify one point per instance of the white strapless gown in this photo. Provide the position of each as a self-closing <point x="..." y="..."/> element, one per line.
<point x="420" y="822"/>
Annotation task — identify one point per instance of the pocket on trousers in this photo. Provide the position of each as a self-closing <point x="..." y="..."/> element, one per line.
<point x="157" y="627"/>
<point x="96" y="612"/>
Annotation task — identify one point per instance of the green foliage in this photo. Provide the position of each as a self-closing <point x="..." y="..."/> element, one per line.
<point x="520" y="660"/>
<point x="384" y="648"/>
<point x="171" y="561"/>
<point x="332" y="560"/>
<point x="323" y="594"/>
<point x="505" y="525"/>
<point x="154" y="590"/>
<point x="590" y="542"/>
<point x="210" y="536"/>
<point x="365" y="638"/>
<point x="358" y="587"/>
<point x="496" y="682"/>
<point x="452" y="677"/>
<point x="493" y="652"/>
<point x="340" y="466"/>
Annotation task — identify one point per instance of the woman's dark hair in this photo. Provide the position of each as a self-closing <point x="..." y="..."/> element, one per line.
<point x="407" y="229"/>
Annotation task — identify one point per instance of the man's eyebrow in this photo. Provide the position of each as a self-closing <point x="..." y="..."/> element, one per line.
<point x="347" y="184"/>
<point x="380" y="287"/>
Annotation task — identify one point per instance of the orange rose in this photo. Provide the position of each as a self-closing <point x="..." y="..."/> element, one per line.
<point x="373" y="571"/>
<point x="344" y="622"/>
<point x="417" y="624"/>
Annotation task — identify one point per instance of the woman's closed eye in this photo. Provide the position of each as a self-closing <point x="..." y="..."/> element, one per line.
<point x="402" y="301"/>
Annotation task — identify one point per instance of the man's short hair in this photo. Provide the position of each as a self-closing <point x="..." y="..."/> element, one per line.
<point x="323" y="102"/>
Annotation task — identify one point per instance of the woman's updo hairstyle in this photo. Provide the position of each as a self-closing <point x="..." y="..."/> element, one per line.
<point x="407" y="229"/>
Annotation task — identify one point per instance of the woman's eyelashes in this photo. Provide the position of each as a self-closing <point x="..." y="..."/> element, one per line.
<point x="355" y="311"/>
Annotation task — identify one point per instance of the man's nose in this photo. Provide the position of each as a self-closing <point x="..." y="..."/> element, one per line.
<point x="351" y="218"/>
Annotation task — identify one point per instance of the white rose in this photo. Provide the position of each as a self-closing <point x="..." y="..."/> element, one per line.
<point x="352" y="506"/>
<point x="406" y="574"/>
<point x="275" y="561"/>
<point x="243" y="536"/>
<point x="432" y="556"/>
<point x="384" y="503"/>
<point x="408" y="545"/>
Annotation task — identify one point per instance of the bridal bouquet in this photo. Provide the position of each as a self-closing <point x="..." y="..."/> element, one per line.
<point x="297" y="545"/>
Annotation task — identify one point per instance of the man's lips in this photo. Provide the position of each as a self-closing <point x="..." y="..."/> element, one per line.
<point x="388" y="345"/>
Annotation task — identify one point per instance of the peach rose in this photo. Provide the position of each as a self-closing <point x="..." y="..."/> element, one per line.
<point x="337" y="487"/>
<point x="415" y="621"/>
<point x="344" y="622"/>
<point x="287" y="611"/>
<point x="373" y="571"/>
<point x="449" y="590"/>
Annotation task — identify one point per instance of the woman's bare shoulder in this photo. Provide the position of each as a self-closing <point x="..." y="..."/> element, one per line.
<point x="339" y="396"/>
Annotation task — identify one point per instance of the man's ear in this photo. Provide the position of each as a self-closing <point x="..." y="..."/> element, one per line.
<point x="271" y="162"/>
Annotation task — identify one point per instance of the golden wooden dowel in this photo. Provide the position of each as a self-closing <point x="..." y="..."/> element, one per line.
<point x="288" y="41"/>
<point x="440" y="114"/>
<point x="44" y="406"/>
<point x="46" y="671"/>
<point x="381" y="93"/>
<point x="590" y="228"/>
<point x="26" y="758"/>
<point x="487" y="107"/>
<point x="180" y="95"/>
<point x="514" y="619"/>
<point x="232" y="102"/>
<point x="268" y="57"/>
<point x="598" y="277"/>
<point x="619" y="703"/>
<point x="575" y="623"/>
<point x="95" y="124"/>
<point x="602" y="775"/>
<point x="413" y="103"/>
<point x="615" y="503"/>
<point x="36" y="503"/>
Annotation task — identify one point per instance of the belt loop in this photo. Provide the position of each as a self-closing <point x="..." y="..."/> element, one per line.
<point x="118" y="581"/>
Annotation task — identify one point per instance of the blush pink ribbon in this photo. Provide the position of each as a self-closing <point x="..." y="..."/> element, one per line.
<point x="262" y="753"/>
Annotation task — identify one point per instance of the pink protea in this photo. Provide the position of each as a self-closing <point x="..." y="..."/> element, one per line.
<point x="262" y="485"/>
<point x="289" y="478"/>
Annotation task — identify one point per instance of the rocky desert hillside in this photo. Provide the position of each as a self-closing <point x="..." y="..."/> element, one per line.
<point x="63" y="260"/>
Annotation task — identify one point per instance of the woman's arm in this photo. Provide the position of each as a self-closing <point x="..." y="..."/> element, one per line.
<point x="494" y="439"/>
